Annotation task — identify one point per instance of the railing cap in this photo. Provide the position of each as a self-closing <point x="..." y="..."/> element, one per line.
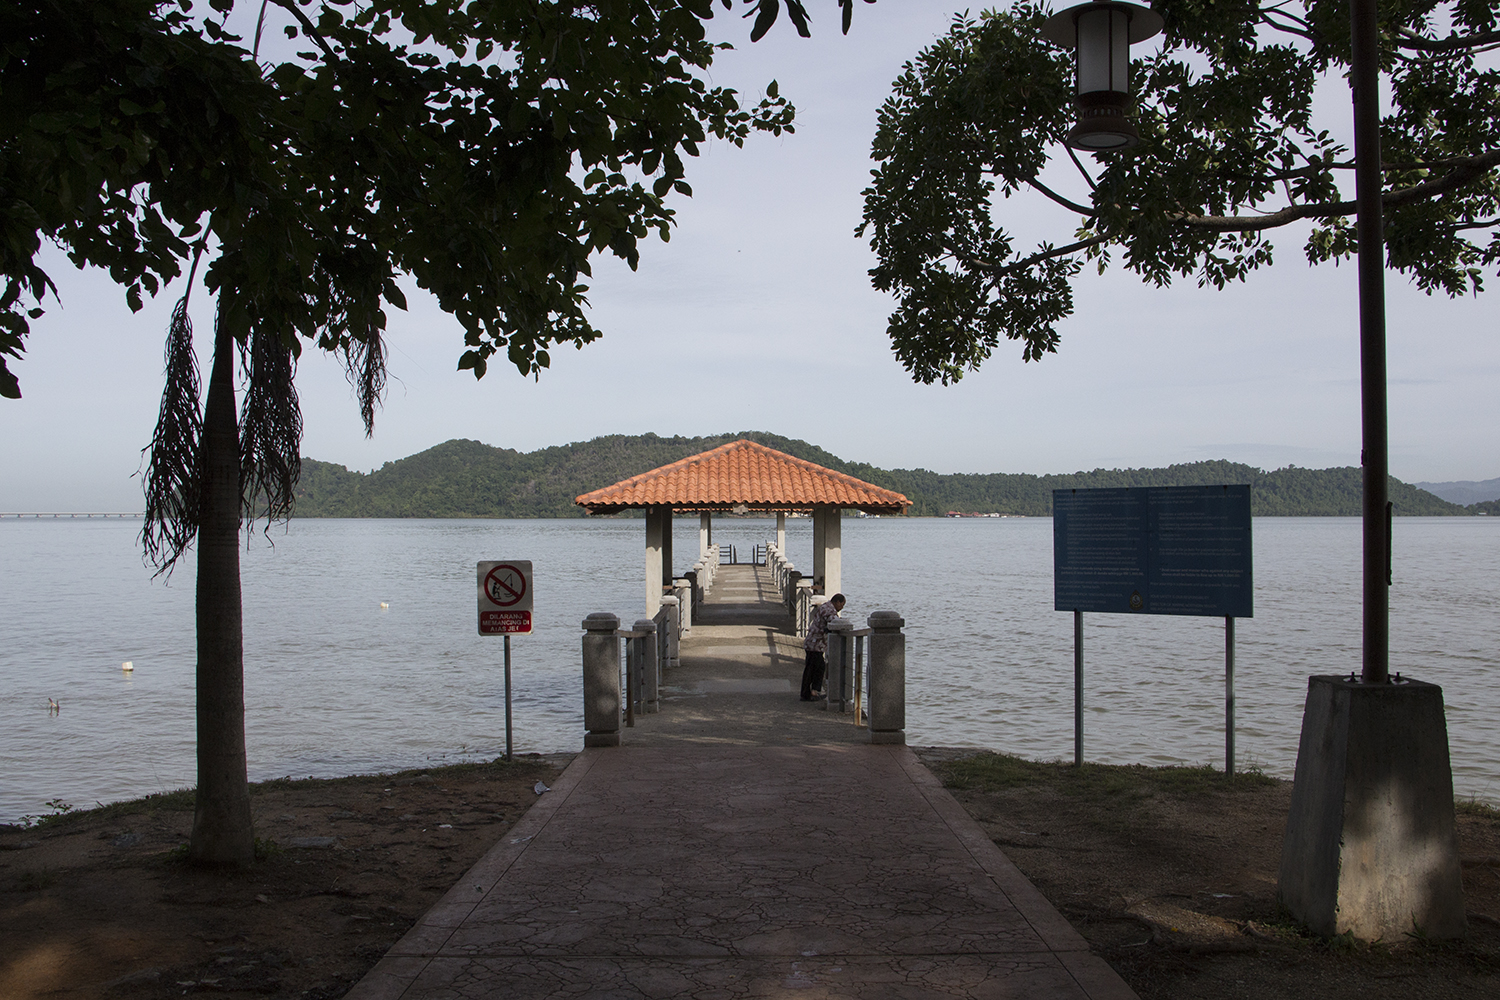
<point x="886" y="621"/>
<point x="670" y="601"/>
<point x="645" y="624"/>
<point x="840" y="625"/>
<point x="601" y="621"/>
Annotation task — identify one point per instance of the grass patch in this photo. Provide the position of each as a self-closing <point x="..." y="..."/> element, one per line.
<point x="64" y="815"/>
<point x="497" y="768"/>
<point x="1473" y="807"/>
<point x="995" y="772"/>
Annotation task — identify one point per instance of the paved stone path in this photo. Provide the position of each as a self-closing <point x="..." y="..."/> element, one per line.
<point x="743" y="844"/>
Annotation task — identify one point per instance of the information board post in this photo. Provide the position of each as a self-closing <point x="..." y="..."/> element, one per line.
<point x="1228" y="696"/>
<point x="505" y="609"/>
<point x="1077" y="688"/>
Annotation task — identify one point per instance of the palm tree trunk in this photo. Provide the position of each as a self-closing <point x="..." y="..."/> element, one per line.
<point x="222" y="829"/>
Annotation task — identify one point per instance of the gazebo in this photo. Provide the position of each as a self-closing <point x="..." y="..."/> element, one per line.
<point x="740" y="477"/>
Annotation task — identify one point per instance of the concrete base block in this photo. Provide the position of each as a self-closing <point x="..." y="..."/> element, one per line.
<point x="601" y="739"/>
<point x="1371" y="846"/>
<point x="888" y="738"/>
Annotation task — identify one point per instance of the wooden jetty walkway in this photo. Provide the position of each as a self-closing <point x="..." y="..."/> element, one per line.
<point x="742" y="843"/>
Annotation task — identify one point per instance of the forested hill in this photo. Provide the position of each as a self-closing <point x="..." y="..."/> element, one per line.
<point x="470" y="479"/>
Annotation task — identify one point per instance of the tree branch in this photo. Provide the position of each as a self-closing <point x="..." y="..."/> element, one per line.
<point x="1079" y="164"/>
<point x="1464" y="171"/>
<point x="1064" y="202"/>
<point x="308" y="28"/>
<point x="1453" y="43"/>
<point x="1289" y="29"/>
<point x="1001" y="270"/>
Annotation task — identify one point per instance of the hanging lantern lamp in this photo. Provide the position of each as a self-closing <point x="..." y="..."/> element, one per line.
<point x="1100" y="34"/>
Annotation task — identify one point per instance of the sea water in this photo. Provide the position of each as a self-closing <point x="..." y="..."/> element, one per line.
<point x="362" y="653"/>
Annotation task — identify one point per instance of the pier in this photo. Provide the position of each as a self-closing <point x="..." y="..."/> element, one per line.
<point x="722" y="838"/>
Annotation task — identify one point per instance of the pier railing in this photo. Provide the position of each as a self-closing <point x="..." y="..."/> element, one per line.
<point x="867" y="674"/>
<point x="843" y="689"/>
<point x="703" y="573"/>
<point x="795" y="591"/>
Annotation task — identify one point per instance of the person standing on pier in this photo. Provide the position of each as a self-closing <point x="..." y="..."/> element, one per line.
<point x="816" y="644"/>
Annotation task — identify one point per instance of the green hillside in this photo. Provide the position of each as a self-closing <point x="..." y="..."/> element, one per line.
<point x="470" y="479"/>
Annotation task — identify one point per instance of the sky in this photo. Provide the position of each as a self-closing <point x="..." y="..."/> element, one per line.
<point x="759" y="315"/>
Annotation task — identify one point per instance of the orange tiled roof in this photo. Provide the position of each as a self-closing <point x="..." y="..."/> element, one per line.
<point x="743" y="472"/>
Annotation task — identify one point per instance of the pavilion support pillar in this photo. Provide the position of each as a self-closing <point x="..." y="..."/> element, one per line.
<point x="833" y="552"/>
<point x="705" y="533"/>
<point x="820" y="521"/>
<point x="781" y="532"/>
<point x="667" y="576"/>
<point x="653" y="559"/>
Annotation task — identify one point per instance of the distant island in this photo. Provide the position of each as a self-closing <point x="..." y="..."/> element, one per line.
<point x="469" y="479"/>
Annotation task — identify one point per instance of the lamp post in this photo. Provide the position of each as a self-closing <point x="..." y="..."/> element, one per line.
<point x="1100" y="34"/>
<point x="1370" y="847"/>
<point x="1364" y="81"/>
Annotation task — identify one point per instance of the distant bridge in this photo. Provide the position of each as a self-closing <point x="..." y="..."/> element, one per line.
<point x="70" y="513"/>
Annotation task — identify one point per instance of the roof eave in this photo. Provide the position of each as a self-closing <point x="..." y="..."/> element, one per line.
<point x="757" y="508"/>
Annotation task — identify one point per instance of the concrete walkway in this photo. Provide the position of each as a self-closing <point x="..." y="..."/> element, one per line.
<point x="742" y="843"/>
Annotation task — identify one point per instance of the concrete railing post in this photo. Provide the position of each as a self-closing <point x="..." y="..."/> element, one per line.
<point x="682" y="589"/>
<point x="601" y="680"/>
<point x="887" y="678"/>
<point x="804" y="605"/>
<point x="670" y="653"/>
<point x="789" y="592"/>
<point x="839" y="685"/>
<point x="649" y="664"/>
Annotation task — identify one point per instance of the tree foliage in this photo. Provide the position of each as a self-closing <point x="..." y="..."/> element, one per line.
<point x="487" y="149"/>
<point x="1230" y="151"/>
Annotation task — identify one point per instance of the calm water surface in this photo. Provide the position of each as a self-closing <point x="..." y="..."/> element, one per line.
<point x="337" y="684"/>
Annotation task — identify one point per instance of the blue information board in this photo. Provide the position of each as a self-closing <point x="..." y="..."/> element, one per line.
<point x="1154" y="550"/>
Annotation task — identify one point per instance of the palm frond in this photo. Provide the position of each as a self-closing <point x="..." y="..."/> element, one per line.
<point x="173" y="477"/>
<point x="270" y="429"/>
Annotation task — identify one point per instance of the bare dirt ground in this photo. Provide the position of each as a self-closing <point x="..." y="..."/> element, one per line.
<point x="1169" y="873"/>
<point x="103" y="904"/>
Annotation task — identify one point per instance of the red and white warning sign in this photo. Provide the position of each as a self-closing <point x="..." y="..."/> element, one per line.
<point x="505" y="597"/>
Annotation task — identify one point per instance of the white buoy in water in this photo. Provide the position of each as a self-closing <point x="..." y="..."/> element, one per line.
<point x="128" y="666"/>
<point x="384" y="605"/>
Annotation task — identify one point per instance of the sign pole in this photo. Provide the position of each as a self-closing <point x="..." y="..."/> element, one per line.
<point x="505" y="606"/>
<point x="1228" y="696"/>
<point x="1077" y="688"/>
